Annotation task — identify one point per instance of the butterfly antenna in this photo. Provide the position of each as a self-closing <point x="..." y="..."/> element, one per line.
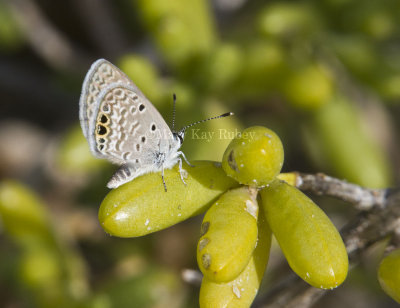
<point x="173" y="112"/>
<point x="198" y="122"/>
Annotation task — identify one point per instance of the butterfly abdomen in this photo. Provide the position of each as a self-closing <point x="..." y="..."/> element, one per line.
<point x="123" y="175"/>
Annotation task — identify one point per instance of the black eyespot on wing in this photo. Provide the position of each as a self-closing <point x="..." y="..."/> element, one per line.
<point x="138" y="147"/>
<point x="153" y="127"/>
<point x="106" y="108"/>
<point x="143" y="139"/>
<point x="141" y="107"/>
<point x="101" y="130"/>
<point x="101" y="147"/>
<point x="102" y="140"/>
<point x="103" y="119"/>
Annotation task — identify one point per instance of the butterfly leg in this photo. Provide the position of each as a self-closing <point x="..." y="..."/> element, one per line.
<point x="181" y="170"/>
<point x="184" y="157"/>
<point x="163" y="180"/>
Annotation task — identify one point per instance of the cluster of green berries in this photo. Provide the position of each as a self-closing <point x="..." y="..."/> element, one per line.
<point x="389" y="274"/>
<point x="244" y="203"/>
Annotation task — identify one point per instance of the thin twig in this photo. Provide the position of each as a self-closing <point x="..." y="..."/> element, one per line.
<point x="321" y="184"/>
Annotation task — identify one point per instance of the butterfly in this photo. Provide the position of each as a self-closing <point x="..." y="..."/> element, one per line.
<point x="122" y="126"/>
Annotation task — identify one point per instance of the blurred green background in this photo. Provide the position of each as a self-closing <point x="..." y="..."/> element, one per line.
<point x="324" y="75"/>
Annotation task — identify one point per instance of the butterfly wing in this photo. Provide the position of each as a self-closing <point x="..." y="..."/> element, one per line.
<point x="101" y="74"/>
<point x="127" y="128"/>
<point x="121" y="124"/>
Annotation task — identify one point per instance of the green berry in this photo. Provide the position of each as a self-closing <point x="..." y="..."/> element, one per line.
<point x="389" y="275"/>
<point x="255" y="157"/>
<point x="222" y="67"/>
<point x="23" y="215"/>
<point x="74" y="157"/>
<point x="286" y="19"/>
<point x="228" y="235"/>
<point x="40" y="266"/>
<point x="142" y="206"/>
<point x="144" y="74"/>
<point x="310" y="242"/>
<point x="241" y="291"/>
<point x="346" y="148"/>
<point x="181" y="29"/>
<point x="309" y="87"/>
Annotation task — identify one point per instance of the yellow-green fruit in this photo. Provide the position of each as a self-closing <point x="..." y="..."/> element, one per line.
<point x="255" y="157"/>
<point x="223" y="66"/>
<point x="148" y="285"/>
<point x="40" y="266"/>
<point x="389" y="275"/>
<point x="22" y="214"/>
<point x="228" y="235"/>
<point x="264" y="66"/>
<point x="142" y="206"/>
<point x="389" y="86"/>
<point x="310" y="242"/>
<point x="346" y="146"/>
<point x="144" y="74"/>
<point x="289" y="177"/>
<point x="42" y="272"/>
<point x="287" y="19"/>
<point x="309" y="88"/>
<point x="181" y="29"/>
<point x="11" y="34"/>
<point x="241" y="291"/>
<point x="74" y="156"/>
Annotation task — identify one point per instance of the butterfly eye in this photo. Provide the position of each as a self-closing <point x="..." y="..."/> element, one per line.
<point x="141" y="107"/>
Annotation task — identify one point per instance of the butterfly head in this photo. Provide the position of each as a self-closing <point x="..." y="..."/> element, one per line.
<point x="180" y="136"/>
